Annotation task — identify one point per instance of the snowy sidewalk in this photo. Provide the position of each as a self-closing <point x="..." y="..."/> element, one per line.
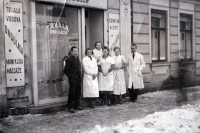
<point x="64" y="122"/>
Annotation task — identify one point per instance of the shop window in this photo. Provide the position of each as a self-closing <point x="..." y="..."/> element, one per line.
<point x="56" y="32"/>
<point x="185" y="37"/>
<point x="158" y="35"/>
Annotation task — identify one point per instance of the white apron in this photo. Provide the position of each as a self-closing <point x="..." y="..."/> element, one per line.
<point x="97" y="54"/>
<point x="134" y="71"/>
<point x="106" y="82"/>
<point x="90" y="86"/>
<point x="119" y="79"/>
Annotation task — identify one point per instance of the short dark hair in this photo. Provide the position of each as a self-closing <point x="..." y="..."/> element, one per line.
<point x="133" y="44"/>
<point x="74" y="47"/>
<point x="105" y="47"/>
<point x="88" y="50"/>
<point x="116" y="48"/>
<point x="96" y="43"/>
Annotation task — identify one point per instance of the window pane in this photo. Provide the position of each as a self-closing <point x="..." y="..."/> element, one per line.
<point x="189" y="45"/>
<point x="158" y="19"/>
<point x="53" y="27"/>
<point x="182" y="41"/>
<point x="162" y="45"/>
<point x="154" y="42"/>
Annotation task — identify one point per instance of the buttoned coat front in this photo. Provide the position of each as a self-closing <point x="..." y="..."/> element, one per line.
<point x="90" y="86"/>
<point x="134" y="71"/>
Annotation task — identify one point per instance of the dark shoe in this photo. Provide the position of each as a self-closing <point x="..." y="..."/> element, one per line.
<point x="79" y="108"/>
<point x="92" y="107"/>
<point x="71" y="110"/>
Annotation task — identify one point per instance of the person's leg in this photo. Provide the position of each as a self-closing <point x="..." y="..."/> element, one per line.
<point x="130" y="90"/>
<point x="109" y="96"/>
<point x="71" y="95"/>
<point x="136" y="94"/>
<point x="103" y="97"/>
<point x="114" y="99"/>
<point x="78" y="96"/>
<point x="91" y="103"/>
<point x="120" y="99"/>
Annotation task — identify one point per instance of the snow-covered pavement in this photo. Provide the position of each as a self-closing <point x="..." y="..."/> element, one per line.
<point x="141" y="112"/>
<point x="184" y="120"/>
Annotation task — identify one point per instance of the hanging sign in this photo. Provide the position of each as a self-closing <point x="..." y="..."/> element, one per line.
<point x="113" y="31"/>
<point x="14" y="44"/>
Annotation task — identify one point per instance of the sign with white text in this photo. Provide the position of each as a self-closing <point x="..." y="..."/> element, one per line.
<point x="85" y="3"/>
<point x="14" y="44"/>
<point x="113" y="31"/>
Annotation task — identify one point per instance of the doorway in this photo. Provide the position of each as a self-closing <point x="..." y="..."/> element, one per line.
<point x="94" y="27"/>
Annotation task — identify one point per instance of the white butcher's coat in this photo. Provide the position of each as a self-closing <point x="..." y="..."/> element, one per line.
<point x="90" y="86"/>
<point x="134" y="71"/>
<point x="97" y="54"/>
<point x="119" y="79"/>
<point x="106" y="82"/>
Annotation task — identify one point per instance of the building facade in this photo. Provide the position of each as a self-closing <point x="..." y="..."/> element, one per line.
<point x="37" y="34"/>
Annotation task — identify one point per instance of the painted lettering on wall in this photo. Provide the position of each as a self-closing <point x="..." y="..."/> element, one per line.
<point x="14" y="44"/>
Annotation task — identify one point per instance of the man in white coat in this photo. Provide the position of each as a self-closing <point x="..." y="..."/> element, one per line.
<point x="136" y="64"/>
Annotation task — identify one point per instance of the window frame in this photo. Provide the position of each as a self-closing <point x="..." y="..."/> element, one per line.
<point x="158" y="29"/>
<point x="193" y="33"/>
<point x="186" y="31"/>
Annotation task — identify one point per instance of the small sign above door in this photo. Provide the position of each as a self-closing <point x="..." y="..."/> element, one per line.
<point x="85" y="3"/>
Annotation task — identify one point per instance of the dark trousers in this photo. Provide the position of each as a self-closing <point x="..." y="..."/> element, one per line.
<point x="74" y="93"/>
<point x="106" y="97"/>
<point x="133" y="93"/>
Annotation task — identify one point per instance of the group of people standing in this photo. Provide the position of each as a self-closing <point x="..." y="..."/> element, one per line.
<point x="103" y="76"/>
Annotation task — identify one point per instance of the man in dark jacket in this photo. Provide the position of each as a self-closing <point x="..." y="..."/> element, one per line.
<point x="73" y="72"/>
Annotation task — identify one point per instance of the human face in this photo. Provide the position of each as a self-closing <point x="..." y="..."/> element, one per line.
<point x="98" y="46"/>
<point x="133" y="49"/>
<point x="105" y="52"/>
<point x="117" y="52"/>
<point x="89" y="53"/>
<point x="74" y="52"/>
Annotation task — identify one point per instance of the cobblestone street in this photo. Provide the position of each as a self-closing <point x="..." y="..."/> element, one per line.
<point x="104" y="116"/>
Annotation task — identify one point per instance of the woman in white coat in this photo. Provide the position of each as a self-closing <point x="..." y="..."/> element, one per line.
<point x="106" y="79"/>
<point x="136" y="64"/>
<point x="119" y="80"/>
<point x="97" y="52"/>
<point x="90" y="82"/>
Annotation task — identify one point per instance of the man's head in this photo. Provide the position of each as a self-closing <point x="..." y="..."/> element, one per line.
<point x="133" y="48"/>
<point x="74" y="51"/>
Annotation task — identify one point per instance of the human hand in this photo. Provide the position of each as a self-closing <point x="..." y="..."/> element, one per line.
<point x="105" y="73"/>
<point x="139" y="73"/>
<point x="93" y="77"/>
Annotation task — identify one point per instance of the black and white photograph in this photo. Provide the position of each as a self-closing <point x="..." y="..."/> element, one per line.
<point x="99" y="66"/>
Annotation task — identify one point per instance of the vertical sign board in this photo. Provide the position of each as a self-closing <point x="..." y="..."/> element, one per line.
<point x="113" y="31"/>
<point x="14" y="44"/>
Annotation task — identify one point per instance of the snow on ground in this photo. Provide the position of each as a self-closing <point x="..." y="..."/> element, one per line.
<point x="183" y="120"/>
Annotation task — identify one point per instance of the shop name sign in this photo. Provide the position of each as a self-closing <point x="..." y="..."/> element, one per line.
<point x="14" y="44"/>
<point x="100" y="4"/>
<point x="58" y="28"/>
